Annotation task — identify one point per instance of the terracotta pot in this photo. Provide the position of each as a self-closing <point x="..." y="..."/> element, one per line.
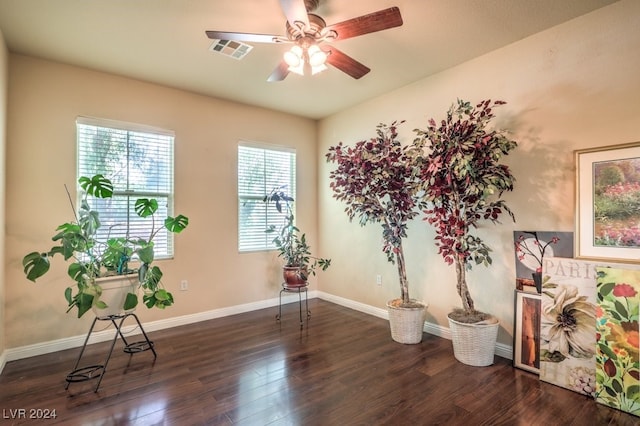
<point x="294" y="276"/>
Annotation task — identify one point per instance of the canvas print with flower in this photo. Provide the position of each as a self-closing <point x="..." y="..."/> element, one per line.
<point x="618" y="339"/>
<point x="568" y="321"/>
<point x="531" y="248"/>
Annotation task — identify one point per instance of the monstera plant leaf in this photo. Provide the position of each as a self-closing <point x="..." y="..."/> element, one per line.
<point x="98" y="186"/>
<point x="176" y="224"/>
<point x="146" y="207"/>
<point x="35" y="265"/>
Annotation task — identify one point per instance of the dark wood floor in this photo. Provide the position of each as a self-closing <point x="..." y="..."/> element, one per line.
<point x="342" y="369"/>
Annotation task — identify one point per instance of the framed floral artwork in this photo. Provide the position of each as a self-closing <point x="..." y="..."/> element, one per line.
<point x="530" y="249"/>
<point x="608" y="203"/>
<point x="568" y="324"/>
<point x="618" y="344"/>
<point x="588" y="322"/>
<point x="526" y="333"/>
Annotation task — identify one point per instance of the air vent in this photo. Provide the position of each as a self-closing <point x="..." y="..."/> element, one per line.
<point x="234" y="49"/>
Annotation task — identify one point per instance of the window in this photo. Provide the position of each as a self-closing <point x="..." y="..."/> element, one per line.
<point x="260" y="170"/>
<point x="139" y="162"/>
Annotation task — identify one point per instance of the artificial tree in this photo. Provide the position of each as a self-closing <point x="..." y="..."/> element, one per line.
<point x="375" y="179"/>
<point x="463" y="182"/>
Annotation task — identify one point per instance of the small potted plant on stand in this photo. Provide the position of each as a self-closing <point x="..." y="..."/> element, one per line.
<point x="376" y="180"/>
<point x="463" y="182"/>
<point x="96" y="263"/>
<point x="291" y="244"/>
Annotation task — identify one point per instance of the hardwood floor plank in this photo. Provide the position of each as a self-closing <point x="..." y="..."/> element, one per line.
<point x="342" y="368"/>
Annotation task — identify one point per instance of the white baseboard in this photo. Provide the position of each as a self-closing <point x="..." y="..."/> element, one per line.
<point x="13" y="354"/>
<point x="357" y="306"/>
<point x="3" y="360"/>
<point x="28" y="351"/>
<point x="502" y="350"/>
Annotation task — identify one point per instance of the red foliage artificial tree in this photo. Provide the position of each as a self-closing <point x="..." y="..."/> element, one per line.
<point x="463" y="183"/>
<point x="376" y="179"/>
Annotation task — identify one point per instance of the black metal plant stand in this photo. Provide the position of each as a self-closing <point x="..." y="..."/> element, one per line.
<point x="298" y="289"/>
<point x="91" y="372"/>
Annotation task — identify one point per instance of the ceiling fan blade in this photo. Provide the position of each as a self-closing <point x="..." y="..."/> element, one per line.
<point x="280" y="73"/>
<point x="365" y="24"/>
<point x="295" y="11"/>
<point x="254" y="38"/>
<point x="346" y="63"/>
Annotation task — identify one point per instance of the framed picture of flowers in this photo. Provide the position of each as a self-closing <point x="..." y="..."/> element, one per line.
<point x="589" y="329"/>
<point x="526" y="333"/>
<point x="608" y="202"/>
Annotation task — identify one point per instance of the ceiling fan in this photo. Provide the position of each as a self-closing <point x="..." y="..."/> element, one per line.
<point x="307" y="31"/>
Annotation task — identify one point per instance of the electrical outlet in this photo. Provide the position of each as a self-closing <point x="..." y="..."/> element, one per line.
<point x="379" y="279"/>
<point x="184" y="285"/>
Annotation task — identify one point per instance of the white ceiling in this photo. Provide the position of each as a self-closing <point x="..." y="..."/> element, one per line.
<point x="164" y="42"/>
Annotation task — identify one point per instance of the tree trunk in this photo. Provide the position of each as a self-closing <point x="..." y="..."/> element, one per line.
<point x="402" y="274"/>
<point x="463" y="290"/>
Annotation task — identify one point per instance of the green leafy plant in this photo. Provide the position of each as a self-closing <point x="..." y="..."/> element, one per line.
<point x="463" y="182"/>
<point x="92" y="258"/>
<point x="291" y="243"/>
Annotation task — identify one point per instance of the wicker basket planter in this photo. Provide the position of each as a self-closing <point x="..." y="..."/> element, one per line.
<point x="407" y="324"/>
<point x="474" y="344"/>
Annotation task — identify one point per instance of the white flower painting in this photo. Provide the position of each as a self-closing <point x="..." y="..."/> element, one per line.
<point x="567" y="334"/>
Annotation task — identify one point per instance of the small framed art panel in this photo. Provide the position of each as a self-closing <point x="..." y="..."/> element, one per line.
<point x="526" y="333"/>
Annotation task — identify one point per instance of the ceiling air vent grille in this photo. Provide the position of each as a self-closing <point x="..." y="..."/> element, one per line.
<point x="232" y="48"/>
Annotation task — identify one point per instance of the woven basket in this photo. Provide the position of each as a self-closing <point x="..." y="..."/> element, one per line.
<point x="406" y="324"/>
<point x="474" y="344"/>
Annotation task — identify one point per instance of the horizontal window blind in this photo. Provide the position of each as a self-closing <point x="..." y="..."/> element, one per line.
<point x="259" y="171"/>
<point x="139" y="162"/>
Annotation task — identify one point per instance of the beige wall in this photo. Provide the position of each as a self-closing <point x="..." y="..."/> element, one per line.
<point x="4" y="76"/>
<point x="573" y="86"/>
<point x="44" y="100"/>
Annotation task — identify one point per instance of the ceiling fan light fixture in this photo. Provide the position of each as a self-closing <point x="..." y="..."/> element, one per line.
<point x="306" y="30"/>
<point x="294" y="57"/>
<point x="317" y="56"/>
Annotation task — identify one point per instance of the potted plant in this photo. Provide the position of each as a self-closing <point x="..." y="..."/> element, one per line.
<point x="376" y="180"/>
<point x="291" y="244"/>
<point x="95" y="261"/>
<point x="463" y="182"/>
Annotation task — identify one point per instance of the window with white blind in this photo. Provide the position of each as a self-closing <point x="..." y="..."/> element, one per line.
<point x="260" y="170"/>
<point x="139" y="161"/>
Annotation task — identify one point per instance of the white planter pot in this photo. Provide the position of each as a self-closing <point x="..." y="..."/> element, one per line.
<point x="114" y="294"/>
<point x="474" y="344"/>
<point x="407" y="324"/>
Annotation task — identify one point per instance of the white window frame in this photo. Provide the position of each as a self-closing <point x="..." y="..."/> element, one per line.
<point x="254" y="216"/>
<point x="129" y="175"/>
